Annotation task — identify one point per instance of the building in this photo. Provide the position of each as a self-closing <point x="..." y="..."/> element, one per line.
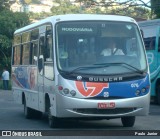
<point x="39" y="8"/>
<point x="45" y="6"/>
<point x="16" y="6"/>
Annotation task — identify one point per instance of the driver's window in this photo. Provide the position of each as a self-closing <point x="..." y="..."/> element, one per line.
<point x="49" y="46"/>
<point x="41" y="54"/>
<point x="48" y="63"/>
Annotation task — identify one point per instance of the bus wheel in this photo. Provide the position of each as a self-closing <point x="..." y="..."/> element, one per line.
<point x="53" y="121"/>
<point x="128" y="121"/>
<point x="27" y="111"/>
<point x="36" y="114"/>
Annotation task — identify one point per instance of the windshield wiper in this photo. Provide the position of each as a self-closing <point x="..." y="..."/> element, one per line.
<point x="87" y="67"/>
<point x="80" y="68"/>
<point x="121" y="63"/>
<point x="101" y="65"/>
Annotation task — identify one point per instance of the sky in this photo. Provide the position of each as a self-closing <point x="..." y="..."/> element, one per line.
<point x="146" y="1"/>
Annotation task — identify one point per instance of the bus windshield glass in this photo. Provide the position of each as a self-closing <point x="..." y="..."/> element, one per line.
<point x="99" y="47"/>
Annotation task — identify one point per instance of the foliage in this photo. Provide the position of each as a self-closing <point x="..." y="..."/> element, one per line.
<point x="9" y="22"/>
<point x="38" y="16"/>
<point x="132" y="8"/>
<point x="64" y="7"/>
<point x="5" y="51"/>
<point x="4" y="4"/>
<point x="155" y="5"/>
<point x="128" y="7"/>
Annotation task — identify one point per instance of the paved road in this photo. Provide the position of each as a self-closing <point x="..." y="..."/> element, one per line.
<point x="12" y="118"/>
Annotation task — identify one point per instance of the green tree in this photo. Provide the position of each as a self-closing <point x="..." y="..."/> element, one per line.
<point x="133" y="8"/>
<point x="64" y="7"/>
<point x="155" y="6"/>
<point x="5" y="51"/>
<point x="9" y="22"/>
<point x="4" y="4"/>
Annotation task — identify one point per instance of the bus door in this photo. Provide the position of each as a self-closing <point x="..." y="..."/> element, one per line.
<point x="45" y="65"/>
<point x="41" y="71"/>
<point x="49" y="84"/>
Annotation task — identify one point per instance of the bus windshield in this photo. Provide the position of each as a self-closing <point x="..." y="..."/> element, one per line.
<point x="99" y="47"/>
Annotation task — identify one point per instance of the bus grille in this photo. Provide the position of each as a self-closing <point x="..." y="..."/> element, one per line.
<point x="104" y="111"/>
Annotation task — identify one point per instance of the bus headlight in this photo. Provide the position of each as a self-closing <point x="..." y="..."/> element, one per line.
<point x="73" y="93"/>
<point x="66" y="91"/>
<point x="138" y="92"/>
<point x="143" y="90"/>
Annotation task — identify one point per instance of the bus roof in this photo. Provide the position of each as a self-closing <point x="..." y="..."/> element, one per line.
<point x="149" y="23"/>
<point x="76" y="17"/>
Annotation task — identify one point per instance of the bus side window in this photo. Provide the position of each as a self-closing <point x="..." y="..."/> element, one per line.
<point x="26" y="47"/>
<point x="17" y="50"/>
<point x="17" y="54"/>
<point x="34" y="50"/>
<point x="152" y="43"/>
<point x="25" y="57"/>
<point x="34" y="46"/>
<point x="149" y="43"/>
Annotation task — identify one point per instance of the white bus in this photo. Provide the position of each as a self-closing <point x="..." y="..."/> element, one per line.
<point x="60" y="67"/>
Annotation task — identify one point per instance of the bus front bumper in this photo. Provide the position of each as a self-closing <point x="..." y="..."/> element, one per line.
<point x="83" y="108"/>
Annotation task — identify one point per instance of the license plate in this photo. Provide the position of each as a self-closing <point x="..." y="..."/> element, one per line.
<point x="106" y="105"/>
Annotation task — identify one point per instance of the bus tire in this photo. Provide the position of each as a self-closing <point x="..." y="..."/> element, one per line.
<point x="53" y="121"/>
<point x="128" y="121"/>
<point x="37" y="114"/>
<point x="27" y="111"/>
